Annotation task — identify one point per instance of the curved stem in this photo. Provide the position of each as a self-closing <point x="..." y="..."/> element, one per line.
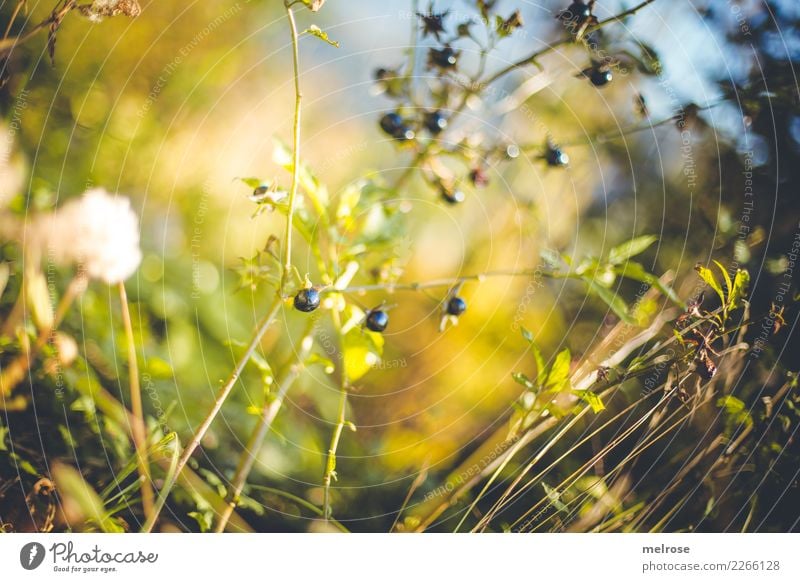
<point x="330" y="465"/>
<point x="138" y="428"/>
<point x="287" y="261"/>
<point x="270" y="410"/>
<point x="212" y="414"/>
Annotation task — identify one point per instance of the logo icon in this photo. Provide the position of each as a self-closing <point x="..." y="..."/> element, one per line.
<point x="31" y="555"/>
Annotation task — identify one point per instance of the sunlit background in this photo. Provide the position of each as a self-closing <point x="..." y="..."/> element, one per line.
<point x="173" y="107"/>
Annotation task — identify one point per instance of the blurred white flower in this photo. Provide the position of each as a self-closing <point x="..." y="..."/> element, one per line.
<point x="98" y="231"/>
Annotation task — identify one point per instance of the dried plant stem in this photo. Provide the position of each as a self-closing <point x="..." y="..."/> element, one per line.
<point x="270" y="410"/>
<point x="212" y="414"/>
<point x="13" y="373"/>
<point x="138" y="427"/>
<point x="8" y="44"/>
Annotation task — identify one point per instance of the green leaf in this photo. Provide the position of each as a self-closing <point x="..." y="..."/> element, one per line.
<point x="555" y="498"/>
<point x="204" y="520"/>
<point x="633" y="247"/>
<point x="541" y="369"/>
<point x="708" y="276"/>
<point x="317" y="192"/>
<point x="558" y="375"/>
<point x="637" y="272"/>
<point x="728" y="283"/>
<point x="739" y="288"/>
<point x="252" y="182"/>
<point x="591" y="399"/>
<point x="362" y="351"/>
<point x="315" y="30"/>
<point x="519" y="378"/>
<point x="614" y="301"/>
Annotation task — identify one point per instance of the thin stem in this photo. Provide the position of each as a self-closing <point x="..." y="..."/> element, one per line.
<point x="212" y="414"/>
<point x="330" y="465"/>
<point x="448" y="281"/>
<point x="270" y="410"/>
<point x="287" y="261"/>
<point x="7" y="44"/>
<point x="138" y="428"/>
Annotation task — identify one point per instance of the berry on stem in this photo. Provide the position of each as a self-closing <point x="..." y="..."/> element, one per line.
<point x="600" y="76"/>
<point x="377" y="320"/>
<point x="444" y="58"/>
<point x="393" y="124"/>
<point x="307" y="300"/>
<point x="451" y="196"/>
<point x="456" y="306"/>
<point x="555" y="157"/>
<point x="435" y="121"/>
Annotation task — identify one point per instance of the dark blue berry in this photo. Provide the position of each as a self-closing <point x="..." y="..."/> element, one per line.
<point x="452" y="196"/>
<point x="600" y="77"/>
<point x="394" y="125"/>
<point x="444" y="58"/>
<point x="577" y="12"/>
<point x="377" y="320"/>
<point x="555" y="157"/>
<point x="435" y="122"/>
<point x="306" y="300"/>
<point x="456" y="306"/>
<point x="391" y="123"/>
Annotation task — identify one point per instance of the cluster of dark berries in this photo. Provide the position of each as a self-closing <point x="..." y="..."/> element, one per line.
<point x="401" y="129"/>
<point x="377" y="320"/>
<point x="395" y="126"/>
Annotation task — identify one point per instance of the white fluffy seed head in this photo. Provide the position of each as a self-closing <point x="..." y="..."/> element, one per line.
<point x="98" y="232"/>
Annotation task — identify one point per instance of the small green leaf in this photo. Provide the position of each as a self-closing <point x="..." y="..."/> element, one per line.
<point x="541" y="369"/>
<point x="739" y="288"/>
<point x="315" y="30"/>
<point x="591" y="399"/>
<point x="519" y="378"/>
<point x="558" y="375"/>
<point x="708" y="276"/>
<point x="637" y="272"/>
<point x="614" y="301"/>
<point x="633" y="247"/>
<point x="362" y="351"/>
<point x="252" y="182"/>
<point x="728" y="282"/>
<point x="555" y="498"/>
